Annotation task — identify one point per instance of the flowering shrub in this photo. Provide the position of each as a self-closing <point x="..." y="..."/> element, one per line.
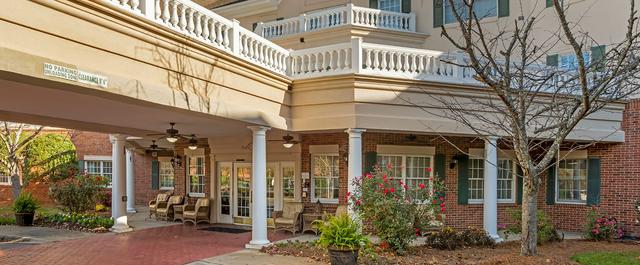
<point x="602" y="227"/>
<point x="77" y="194"/>
<point x="83" y="220"/>
<point x="398" y="211"/>
<point x="450" y="239"/>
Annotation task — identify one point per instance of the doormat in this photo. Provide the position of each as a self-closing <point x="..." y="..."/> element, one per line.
<point x="225" y="230"/>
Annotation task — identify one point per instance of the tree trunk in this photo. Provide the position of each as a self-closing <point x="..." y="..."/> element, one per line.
<point x="17" y="188"/>
<point x="529" y="235"/>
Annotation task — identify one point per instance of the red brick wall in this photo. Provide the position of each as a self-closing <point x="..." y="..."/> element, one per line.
<point x="39" y="190"/>
<point x="91" y="143"/>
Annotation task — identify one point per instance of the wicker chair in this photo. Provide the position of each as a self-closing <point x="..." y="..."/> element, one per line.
<point x="153" y="204"/>
<point x="289" y="218"/>
<point x="165" y="209"/>
<point x="197" y="213"/>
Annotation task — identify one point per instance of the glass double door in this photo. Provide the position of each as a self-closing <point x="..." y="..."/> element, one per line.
<point x="235" y="189"/>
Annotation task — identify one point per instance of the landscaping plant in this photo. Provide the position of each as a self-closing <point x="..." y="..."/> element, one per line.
<point x="78" y="194"/>
<point x="546" y="231"/>
<point x="86" y="221"/>
<point x="602" y="227"/>
<point x="25" y="207"/>
<point x="342" y="236"/>
<point x="397" y="211"/>
<point x="450" y="239"/>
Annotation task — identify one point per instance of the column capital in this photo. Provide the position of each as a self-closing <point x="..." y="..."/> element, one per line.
<point x="259" y="128"/>
<point x="117" y="137"/>
<point x="355" y="131"/>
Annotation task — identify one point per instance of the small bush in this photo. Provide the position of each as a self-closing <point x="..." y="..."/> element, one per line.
<point x="84" y="220"/>
<point x="7" y="220"/>
<point x="602" y="227"/>
<point x="546" y="230"/>
<point x="450" y="239"/>
<point x="340" y="232"/>
<point x="77" y="194"/>
<point x="25" y="203"/>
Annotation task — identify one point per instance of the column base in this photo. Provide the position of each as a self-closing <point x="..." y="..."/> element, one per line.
<point x="496" y="238"/>
<point x="132" y="210"/>
<point x="120" y="228"/>
<point x="257" y="244"/>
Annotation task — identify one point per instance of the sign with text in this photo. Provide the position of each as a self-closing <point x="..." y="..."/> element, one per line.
<point x="76" y="75"/>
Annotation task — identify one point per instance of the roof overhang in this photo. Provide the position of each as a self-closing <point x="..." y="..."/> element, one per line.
<point x="247" y="8"/>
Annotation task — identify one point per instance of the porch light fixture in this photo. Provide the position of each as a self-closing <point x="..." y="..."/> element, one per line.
<point x="288" y="141"/>
<point x="172" y="139"/>
<point x="193" y="142"/>
<point x="172" y="133"/>
<point x="176" y="162"/>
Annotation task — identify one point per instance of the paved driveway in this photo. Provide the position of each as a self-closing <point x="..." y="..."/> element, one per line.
<point x="176" y="244"/>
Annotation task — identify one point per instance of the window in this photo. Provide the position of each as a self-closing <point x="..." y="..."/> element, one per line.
<point x="101" y="168"/>
<point x="196" y="175"/>
<point x="288" y="182"/>
<point x="270" y="191"/>
<point x="482" y="8"/>
<point x="412" y="170"/>
<point x="572" y="181"/>
<point x="390" y="5"/>
<point x="570" y="62"/>
<point x="505" y="180"/>
<point x="476" y="180"/>
<point x="326" y="174"/>
<point x="5" y="179"/>
<point x="166" y="175"/>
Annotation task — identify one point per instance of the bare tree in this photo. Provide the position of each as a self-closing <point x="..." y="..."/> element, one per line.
<point x="531" y="106"/>
<point x="14" y="138"/>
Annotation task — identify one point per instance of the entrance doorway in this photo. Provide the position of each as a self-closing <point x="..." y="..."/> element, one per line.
<point x="234" y="189"/>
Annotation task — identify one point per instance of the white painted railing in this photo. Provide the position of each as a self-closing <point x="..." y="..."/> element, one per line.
<point x="338" y="16"/>
<point x="355" y="57"/>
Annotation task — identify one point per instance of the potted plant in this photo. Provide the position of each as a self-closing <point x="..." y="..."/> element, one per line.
<point x="342" y="237"/>
<point x="24" y="208"/>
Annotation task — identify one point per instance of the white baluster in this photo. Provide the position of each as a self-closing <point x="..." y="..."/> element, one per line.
<point x="383" y="64"/>
<point x="420" y="64"/>
<point x="165" y="11"/>
<point x="158" y="12"/>
<point x="392" y="59"/>
<point x="198" y="24"/>
<point x="190" y="24"/>
<point x="414" y="67"/>
<point x="135" y="4"/>
<point x="174" y="13"/>
<point x="405" y="65"/>
<point x="376" y="59"/>
<point x="225" y="36"/>
<point x="205" y="28"/>
<point x="367" y="62"/>
<point x="183" y="19"/>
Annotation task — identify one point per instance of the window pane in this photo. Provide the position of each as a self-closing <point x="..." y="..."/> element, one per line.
<point x="225" y="190"/>
<point x="476" y="179"/>
<point x="417" y="174"/>
<point x="166" y="174"/>
<point x="394" y="161"/>
<point x="505" y="179"/>
<point x="482" y="9"/>
<point x="325" y="176"/>
<point x="196" y="174"/>
<point x="390" y="5"/>
<point x="288" y="182"/>
<point x="572" y="180"/>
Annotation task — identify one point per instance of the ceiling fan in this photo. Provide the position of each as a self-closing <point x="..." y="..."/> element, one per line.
<point x="287" y="141"/>
<point x="172" y="134"/>
<point x="155" y="147"/>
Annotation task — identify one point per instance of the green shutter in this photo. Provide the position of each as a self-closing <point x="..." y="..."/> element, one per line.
<point x="406" y="6"/>
<point x="463" y="179"/>
<point x="503" y="8"/>
<point x="593" y="181"/>
<point x="438" y="13"/>
<point x="552" y="60"/>
<point x="155" y="175"/>
<point x="519" y="185"/>
<point x="373" y="4"/>
<point x="549" y="3"/>
<point x="551" y="183"/>
<point x="597" y="56"/>
<point x="81" y="166"/>
<point x="370" y="160"/>
<point x="440" y="167"/>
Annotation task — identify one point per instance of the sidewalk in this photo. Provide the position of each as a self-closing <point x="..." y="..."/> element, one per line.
<point x="254" y="257"/>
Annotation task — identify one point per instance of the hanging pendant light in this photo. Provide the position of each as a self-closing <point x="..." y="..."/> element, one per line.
<point x="172" y="133"/>
<point x="287" y="141"/>
<point x="193" y="142"/>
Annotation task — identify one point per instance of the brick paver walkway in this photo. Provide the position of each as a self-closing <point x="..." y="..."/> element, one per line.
<point x="178" y="244"/>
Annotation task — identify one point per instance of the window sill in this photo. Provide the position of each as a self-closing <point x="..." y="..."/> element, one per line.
<point x="5" y="184"/>
<point x="572" y="202"/>
<point x="487" y="20"/>
<point x="482" y="202"/>
<point x="196" y="195"/>
<point x="166" y="188"/>
<point x="325" y="201"/>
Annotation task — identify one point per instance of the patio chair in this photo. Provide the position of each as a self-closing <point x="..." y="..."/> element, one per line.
<point x="153" y="204"/>
<point x="197" y="213"/>
<point x="165" y="209"/>
<point x="289" y="218"/>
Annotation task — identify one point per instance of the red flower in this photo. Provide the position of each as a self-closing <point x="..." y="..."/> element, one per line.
<point x="441" y="198"/>
<point x="401" y="183"/>
<point x="369" y="175"/>
<point x="392" y="190"/>
<point x="386" y="191"/>
<point x="358" y="202"/>
<point x="380" y="185"/>
<point x="421" y="185"/>
<point x="98" y="178"/>
<point x="384" y="176"/>
<point x="389" y="166"/>
<point x="429" y="169"/>
<point x="405" y="186"/>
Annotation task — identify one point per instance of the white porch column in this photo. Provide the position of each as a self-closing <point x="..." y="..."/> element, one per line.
<point x="131" y="182"/>
<point x="118" y="184"/>
<point x="490" y="214"/>
<point x="354" y="167"/>
<point x="259" y="188"/>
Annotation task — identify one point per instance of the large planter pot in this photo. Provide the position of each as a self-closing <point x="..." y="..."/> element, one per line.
<point x="343" y="256"/>
<point x="24" y="219"/>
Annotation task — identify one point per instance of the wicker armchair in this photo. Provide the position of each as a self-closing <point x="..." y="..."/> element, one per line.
<point x="153" y="204"/>
<point x="289" y="218"/>
<point x="197" y="213"/>
<point x="165" y="209"/>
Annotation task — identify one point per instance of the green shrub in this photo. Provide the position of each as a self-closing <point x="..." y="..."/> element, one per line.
<point x="546" y="230"/>
<point x="85" y="220"/>
<point x="77" y="194"/>
<point x="340" y="232"/>
<point x="450" y="239"/>
<point x="398" y="212"/>
<point x="602" y="227"/>
<point x="25" y="203"/>
<point x="7" y="220"/>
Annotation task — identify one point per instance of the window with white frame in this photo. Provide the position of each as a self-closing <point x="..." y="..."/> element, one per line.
<point x="101" y="168"/>
<point x="5" y="179"/>
<point x="166" y="175"/>
<point x="196" y="174"/>
<point x="413" y="170"/>
<point x="326" y="172"/>
<point x="572" y="181"/>
<point x="288" y="182"/>
<point x="482" y="8"/>
<point x="476" y="180"/>
<point x="569" y="61"/>
<point x="390" y="5"/>
<point x="506" y="181"/>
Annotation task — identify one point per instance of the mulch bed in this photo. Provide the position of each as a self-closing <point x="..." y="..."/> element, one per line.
<point x="70" y="226"/>
<point x="507" y="253"/>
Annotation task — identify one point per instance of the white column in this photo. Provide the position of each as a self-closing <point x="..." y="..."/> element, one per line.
<point x="131" y="182"/>
<point x="354" y="168"/>
<point x="118" y="184"/>
<point x="259" y="188"/>
<point x="490" y="214"/>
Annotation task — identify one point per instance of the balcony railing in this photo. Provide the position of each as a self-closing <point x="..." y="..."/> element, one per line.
<point x="338" y="16"/>
<point x="355" y="57"/>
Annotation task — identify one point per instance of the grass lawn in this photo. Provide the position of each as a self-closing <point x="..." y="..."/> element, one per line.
<point x="608" y="258"/>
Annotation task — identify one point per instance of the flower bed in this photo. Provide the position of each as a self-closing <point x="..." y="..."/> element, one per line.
<point x="78" y="222"/>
